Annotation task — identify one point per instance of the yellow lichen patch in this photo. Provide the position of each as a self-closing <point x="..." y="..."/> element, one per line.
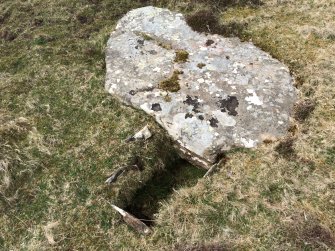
<point x="181" y="56"/>
<point x="171" y="84"/>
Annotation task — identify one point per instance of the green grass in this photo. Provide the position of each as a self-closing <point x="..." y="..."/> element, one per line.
<point x="62" y="135"/>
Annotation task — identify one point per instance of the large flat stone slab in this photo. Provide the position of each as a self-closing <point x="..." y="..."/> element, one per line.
<point x="210" y="93"/>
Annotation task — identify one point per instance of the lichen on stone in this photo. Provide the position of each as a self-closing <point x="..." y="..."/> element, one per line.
<point x="171" y="84"/>
<point x="201" y="65"/>
<point x="167" y="98"/>
<point x="145" y="36"/>
<point x="164" y="45"/>
<point x="181" y="56"/>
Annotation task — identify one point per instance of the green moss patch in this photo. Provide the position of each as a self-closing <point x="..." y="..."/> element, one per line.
<point x="171" y="84"/>
<point x="181" y="56"/>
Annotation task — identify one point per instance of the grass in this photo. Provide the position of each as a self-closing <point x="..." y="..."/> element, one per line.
<point x="61" y="136"/>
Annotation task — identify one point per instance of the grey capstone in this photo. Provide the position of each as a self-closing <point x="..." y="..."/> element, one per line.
<point x="221" y="94"/>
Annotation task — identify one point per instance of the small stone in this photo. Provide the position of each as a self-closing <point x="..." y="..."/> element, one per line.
<point x="143" y="134"/>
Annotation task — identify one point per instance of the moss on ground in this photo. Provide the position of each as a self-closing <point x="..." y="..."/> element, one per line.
<point x="61" y="136"/>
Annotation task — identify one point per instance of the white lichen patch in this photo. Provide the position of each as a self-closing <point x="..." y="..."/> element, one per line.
<point x="146" y="107"/>
<point x="224" y="119"/>
<point x="112" y="88"/>
<point x="254" y="99"/>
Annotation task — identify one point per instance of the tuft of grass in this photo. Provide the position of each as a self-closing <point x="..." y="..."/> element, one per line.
<point x="303" y="109"/>
<point x="209" y="22"/>
<point x="203" y="21"/>
<point x="203" y="247"/>
<point x="330" y="155"/>
<point x="286" y="147"/>
<point x="8" y="35"/>
<point x="310" y="234"/>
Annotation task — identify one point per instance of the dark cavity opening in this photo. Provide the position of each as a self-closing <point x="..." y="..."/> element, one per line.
<point x="146" y="201"/>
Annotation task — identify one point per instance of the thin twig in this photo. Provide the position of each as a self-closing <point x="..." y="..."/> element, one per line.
<point x="113" y="178"/>
<point x="213" y="168"/>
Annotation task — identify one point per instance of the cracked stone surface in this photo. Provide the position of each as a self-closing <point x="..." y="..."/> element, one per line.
<point x="210" y="93"/>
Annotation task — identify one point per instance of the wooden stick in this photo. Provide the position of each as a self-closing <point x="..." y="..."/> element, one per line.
<point x="133" y="222"/>
<point x="113" y="178"/>
<point x="213" y="168"/>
